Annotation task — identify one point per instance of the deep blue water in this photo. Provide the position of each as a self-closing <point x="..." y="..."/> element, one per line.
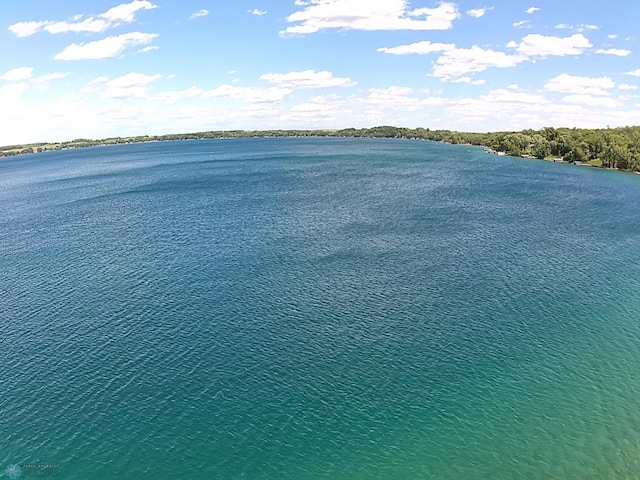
<point x="317" y="309"/>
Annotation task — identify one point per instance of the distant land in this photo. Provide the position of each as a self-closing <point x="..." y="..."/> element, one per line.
<point x="614" y="148"/>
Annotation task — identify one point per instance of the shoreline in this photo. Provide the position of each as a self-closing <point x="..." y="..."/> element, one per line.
<point x="563" y="148"/>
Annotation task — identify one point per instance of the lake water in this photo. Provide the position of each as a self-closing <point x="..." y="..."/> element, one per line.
<point x="317" y="308"/>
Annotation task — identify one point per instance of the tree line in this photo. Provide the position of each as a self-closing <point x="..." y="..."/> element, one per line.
<point x="617" y="148"/>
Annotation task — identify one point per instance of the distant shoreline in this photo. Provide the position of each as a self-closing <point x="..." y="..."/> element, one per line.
<point x="615" y="148"/>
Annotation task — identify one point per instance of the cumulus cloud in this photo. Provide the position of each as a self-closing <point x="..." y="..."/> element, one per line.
<point x="576" y="85"/>
<point x="26" y="29"/>
<point x="150" y="48"/>
<point x="284" y="85"/>
<point x="469" y="81"/>
<point x="510" y="96"/>
<point x="419" y="48"/>
<point x="105" y="48"/>
<point x="626" y="86"/>
<point x="124" y="13"/>
<point x="255" y="11"/>
<point x="502" y="106"/>
<point x="200" y="13"/>
<point x="173" y="96"/>
<point x="10" y="94"/>
<point x="250" y="94"/>
<point x="592" y="101"/>
<point x="50" y="77"/>
<point x="42" y="82"/>
<point x="578" y="28"/>
<point x="129" y="85"/>
<point x="614" y="51"/>
<point x="532" y="10"/>
<point x="17" y="74"/>
<point x="521" y="23"/>
<point x="307" y="79"/>
<point x="399" y="98"/>
<point x="536" y="45"/>
<point x="477" y="12"/>
<point x="457" y="62"/>
<point x="320" y="106"/>
<point x="369" y="15"/>
<point x="634" y="73"/>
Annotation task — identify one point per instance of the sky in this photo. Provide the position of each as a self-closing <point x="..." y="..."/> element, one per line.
<point x="94" y="69"/>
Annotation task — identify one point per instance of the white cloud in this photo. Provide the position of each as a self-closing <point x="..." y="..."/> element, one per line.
<point x="307" y="79"/>
<point x="250" y="94"/>
<point x="255" y="11"/>
<point x="612" y="36"/>
<point x="148" y="49"/>
<point x="626" y="86"/>
<point x="94" y="84"/>
<point x="521" y="23"/>
<point x="92" y="25"/>
<point x="42" y="82"/>
<point x="592" y="101"/>
<point x="50" y="77"/>
<point x="105" y="48"/>
<point x="26" y="29"/>
<point x="319" y="106"/>
<point x="369" y="15"/>
<point x="539" y="45"/>
<point x="398" y="98"/>
<point x="500" y="111"/>
<point x="456" y="62"/>
<point x="10" y="96"/>
<point x="200" y="13"/>
<point x="469" y="81"/>
<point x="124" y="13"/>
<point x="579" y="28"/>
<point x="419" y="48"/>
<point x="17" y="74"/>
<point x="635" y="73"/>
<point x="173" y="96"/>
<point x="504" y="109"/>
<point x="532" y="10"/>
<point x="614" y="51"/>
<point x="477" y="12"/>
<point x="502" y="95"/>
<point x="580" y="85"/>
<point x="513" y="86"/>
<point x="129" y="85"/>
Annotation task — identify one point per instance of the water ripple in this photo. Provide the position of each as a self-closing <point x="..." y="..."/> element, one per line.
<point x="318" y="309"/>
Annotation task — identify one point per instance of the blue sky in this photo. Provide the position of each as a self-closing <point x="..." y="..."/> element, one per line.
<point x="78" y="69"/>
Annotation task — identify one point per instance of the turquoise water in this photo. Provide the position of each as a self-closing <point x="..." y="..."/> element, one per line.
<point x="318" y="309"/>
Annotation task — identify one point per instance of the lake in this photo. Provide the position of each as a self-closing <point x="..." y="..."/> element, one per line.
<point x="317" y="308"/>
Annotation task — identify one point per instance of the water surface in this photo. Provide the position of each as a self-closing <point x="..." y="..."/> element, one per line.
<point x="318" y="309"/>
